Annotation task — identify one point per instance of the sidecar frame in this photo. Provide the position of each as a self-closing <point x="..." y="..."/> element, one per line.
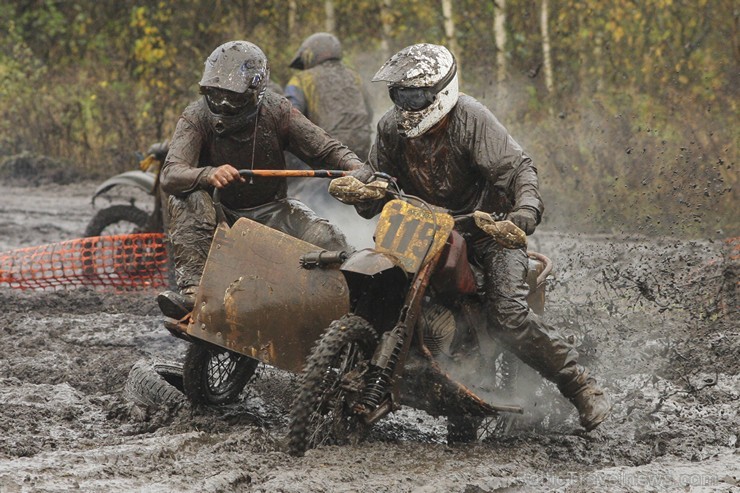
<point x="256" y="299"/>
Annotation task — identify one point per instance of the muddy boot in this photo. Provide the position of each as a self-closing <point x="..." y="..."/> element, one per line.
<point x="176" y="305"/>
<point x="593" y="404"/>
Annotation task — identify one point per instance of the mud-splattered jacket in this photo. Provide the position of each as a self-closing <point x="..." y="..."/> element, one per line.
<point x="196" y="148"/>
<point x="468" y="162"/>
<point x="332" y="96"/>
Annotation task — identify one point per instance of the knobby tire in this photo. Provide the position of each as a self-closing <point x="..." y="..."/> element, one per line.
<point x="353" y="340"/>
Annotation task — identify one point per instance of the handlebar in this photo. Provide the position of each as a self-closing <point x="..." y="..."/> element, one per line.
<point x="277" y="173"/>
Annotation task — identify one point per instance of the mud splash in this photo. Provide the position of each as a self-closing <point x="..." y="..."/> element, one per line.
<point x="656" y="319"/>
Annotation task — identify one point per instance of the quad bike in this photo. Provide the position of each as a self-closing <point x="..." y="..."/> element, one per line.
<point x="415" y="329"/>
<point x="129" y="217"/>
<point x="256" y="302"/>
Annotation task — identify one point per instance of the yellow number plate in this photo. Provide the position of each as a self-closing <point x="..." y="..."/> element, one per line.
<point x="411" y="234"/>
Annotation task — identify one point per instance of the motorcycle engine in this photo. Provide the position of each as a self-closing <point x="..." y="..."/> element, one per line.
<point x="439" y="328"/>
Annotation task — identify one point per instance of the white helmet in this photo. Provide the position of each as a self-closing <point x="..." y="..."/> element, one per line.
<point x="422" y="83"/>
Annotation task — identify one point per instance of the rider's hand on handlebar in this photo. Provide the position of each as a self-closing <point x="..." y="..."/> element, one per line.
<point x="224" y="175"/>
<point x="525" y="218"/>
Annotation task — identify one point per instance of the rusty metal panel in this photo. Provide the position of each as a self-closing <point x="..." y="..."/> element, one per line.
<point x="255" y="299"/>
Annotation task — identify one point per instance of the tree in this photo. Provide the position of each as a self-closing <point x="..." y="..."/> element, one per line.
<point x="546" y="59"/>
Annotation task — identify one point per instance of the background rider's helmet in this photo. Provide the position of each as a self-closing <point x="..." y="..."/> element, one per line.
<point x="422" y="83"/>
<point x="316" y="49"/>
<point x="234" y="81"/>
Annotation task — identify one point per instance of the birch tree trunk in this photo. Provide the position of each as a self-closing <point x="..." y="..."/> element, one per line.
<point x="546" y="59"/>
<point x="385" y="21"/>
<point x="499" y="32"/>
<point x="449" y="25"/>
<point x="292" y="10"/>
<point x="331" y="20"/>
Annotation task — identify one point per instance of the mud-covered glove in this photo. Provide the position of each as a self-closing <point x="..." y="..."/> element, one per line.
<point x="506" y="233"/>
<point x="525" y="218"/>
<point x="350" y="190"/>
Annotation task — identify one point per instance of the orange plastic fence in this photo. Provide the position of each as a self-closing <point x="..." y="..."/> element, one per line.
<point x="121" y="261"/>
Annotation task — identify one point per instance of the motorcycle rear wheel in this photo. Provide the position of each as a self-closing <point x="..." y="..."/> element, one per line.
<point x="116" y="220"/>
<point x="331" y="382"/>
<point x="213" y="375"/>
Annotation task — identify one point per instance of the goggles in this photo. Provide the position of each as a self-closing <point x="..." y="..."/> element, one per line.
<point x="225" y="102"/>
<point x="419" y="98"/>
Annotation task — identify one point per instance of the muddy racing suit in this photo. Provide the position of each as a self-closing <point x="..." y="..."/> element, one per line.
<point x="254" y="142"/>
<point x="468" y="162"/>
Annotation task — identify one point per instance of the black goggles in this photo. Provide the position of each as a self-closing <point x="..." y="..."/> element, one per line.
<point x="419" y="98"/>
<point x="225" y="102"/>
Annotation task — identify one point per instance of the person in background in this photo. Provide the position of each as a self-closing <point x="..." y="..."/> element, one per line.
<point x="333" y="97"/>
<point x="329" y="93"/>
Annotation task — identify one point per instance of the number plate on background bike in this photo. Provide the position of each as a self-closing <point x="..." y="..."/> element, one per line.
<point x="411" y="234"/>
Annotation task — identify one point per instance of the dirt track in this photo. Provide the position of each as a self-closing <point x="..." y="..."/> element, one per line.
<point x="657" y="321"/>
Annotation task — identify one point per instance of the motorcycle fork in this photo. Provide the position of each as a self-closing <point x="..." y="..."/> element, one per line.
<point x="388" y="361"/>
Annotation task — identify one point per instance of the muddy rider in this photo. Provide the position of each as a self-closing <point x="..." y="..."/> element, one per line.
<point x="329" y="93"/>
<point x="238" y="124"/>
<point x="451" y="151"/>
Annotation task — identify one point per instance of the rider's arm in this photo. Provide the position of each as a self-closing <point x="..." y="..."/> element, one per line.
<point x="380" y="159"/>
<point x="180" y="173"/>
<point x="503" y="162"/>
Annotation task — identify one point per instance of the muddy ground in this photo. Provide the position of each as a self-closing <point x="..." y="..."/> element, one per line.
<point x="656" y="319"/>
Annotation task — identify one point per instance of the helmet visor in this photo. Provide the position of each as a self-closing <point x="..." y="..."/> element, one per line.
<point x="411" y="98"/>
<point x="229" y="103"/>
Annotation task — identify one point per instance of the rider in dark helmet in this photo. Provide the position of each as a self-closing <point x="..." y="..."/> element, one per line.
<point x="333" y="97"/>
<point x="238" y="124"/>
<point x="451" y="151"/>
<point x="329" y="93"/>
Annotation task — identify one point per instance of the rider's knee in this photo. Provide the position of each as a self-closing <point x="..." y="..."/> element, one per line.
<point x="326" y="235"/>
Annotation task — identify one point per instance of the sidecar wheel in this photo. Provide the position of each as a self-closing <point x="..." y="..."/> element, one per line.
<point x="213" y="375"/>
<point x="117" y="220"/>
<point x="332" y="380"/>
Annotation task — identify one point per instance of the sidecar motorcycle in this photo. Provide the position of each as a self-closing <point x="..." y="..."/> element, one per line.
<point x="370" y="330"/>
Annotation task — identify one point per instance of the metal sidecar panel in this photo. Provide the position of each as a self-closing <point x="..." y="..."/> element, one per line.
<point x="256" y="299"/>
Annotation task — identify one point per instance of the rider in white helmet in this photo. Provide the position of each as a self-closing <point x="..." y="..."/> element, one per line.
<point x="451" y="151"/>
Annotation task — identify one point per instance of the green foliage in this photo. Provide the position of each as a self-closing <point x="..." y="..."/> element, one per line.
<point x="642" y="126"/>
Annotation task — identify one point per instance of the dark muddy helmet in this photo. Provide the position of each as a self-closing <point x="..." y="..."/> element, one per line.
<point x="316" y="49"/>
<point x="235" y="79"/>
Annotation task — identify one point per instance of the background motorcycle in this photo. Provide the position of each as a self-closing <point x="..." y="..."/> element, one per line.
<point x="126" y="218"/>
<point x="418" y="292"/>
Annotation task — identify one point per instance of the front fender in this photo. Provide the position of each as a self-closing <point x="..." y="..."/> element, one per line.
<point x="370" y="262"/>
<point x="139" y="179"/>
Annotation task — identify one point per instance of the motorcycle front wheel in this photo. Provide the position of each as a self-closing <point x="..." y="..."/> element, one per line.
<point x="117" y="220"/>
<point x="332" y="382"/>
<point x="213" y="375"/>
